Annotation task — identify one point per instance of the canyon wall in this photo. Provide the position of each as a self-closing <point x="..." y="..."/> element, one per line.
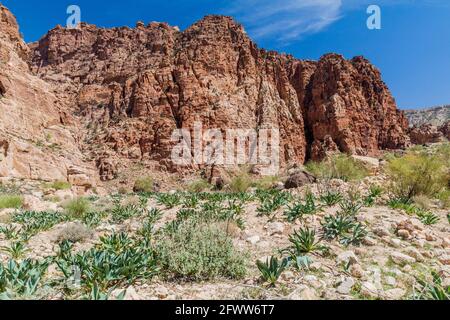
<point x="126" y="89"/>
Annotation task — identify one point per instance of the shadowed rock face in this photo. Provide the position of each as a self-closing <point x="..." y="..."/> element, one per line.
<point x="129" y="88"/>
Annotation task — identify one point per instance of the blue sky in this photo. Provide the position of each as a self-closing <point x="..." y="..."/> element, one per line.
<point x="412" y="49"/>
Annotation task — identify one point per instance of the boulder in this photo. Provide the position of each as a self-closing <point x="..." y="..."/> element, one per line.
<point x="299" y="179"/>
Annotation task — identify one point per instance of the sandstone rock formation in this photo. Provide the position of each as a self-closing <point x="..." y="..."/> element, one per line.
<point x="36" y="142"/>
<point x="350" y="104"/>
<point x="124" y="90"/>
<point x="445" y="130"/>
<point x="425" y="133"/>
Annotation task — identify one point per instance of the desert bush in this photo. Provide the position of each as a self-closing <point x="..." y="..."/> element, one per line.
<point x="93" y="218"/>
<point x="240" y="183"/>
<point x="59" y="185"/>
<point x="340" y="166"/>
<point x="428" y="218"/>
<point x="444" y="198"/>
<point x="191" y="201"/>
<point x="417" y="173"/>
<point x="198" y="186"/>
<point x="443" y="151"/>
<point x="74" y="232"/>
<point x="422" y="201"/>
<point x="9" y="188"/>
<point x="10" y="232"/>
<point x="144" y="184"/>
<point x="10" y="201"/>
<point x="265" y="183"/>
<point x="199" y="251"/>
<point x="122" y="190"/>
<point x="228" y="215"/>
<point x="402" y="204"/>
<point x="350" y="206"/>
<point x="77" y="207"/>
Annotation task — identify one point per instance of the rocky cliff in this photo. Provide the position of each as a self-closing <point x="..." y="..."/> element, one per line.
<point x="37" y="139"/>
<point x="126" y="89"/>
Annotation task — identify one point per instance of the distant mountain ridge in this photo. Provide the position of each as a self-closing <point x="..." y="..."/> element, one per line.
<point x="435" y="116"/>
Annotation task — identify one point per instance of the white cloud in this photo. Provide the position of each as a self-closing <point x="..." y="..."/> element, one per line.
<point x="290" y="20"/>
<point x="287" y="20"/>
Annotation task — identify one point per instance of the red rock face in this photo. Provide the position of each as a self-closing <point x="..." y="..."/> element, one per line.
<point x="445" y="130"/>
<point x="426" y="133"/>
<point x="37" y="141"/>
<point x="129" y="88"/>
<point x="350" y="104"/>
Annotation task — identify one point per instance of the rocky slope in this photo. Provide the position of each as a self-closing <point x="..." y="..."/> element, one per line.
<point x="127" y="89"/>
<point x="429" y="125"/>
<point x="397" y="252"/>
<point x="436" y="116"/>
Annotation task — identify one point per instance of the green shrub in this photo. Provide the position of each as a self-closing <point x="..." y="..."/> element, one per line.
<point x="77" y="207"/>
<point x="345" y="228"/>
<point x="10" y="201"/>
<point x="331" y="198"/>
<point x="16" y="250"/>
<point x="196" y="251"/>
<point x="423" y="202"/>
<point x="266" y="182"/>
<point x="271" y="269"/>
<point x="117" y="260"/>
<point x="144" y="184"/>
<point x="34" y="222"/>
<point x="59" y="185"/>
<point x="21" y="279"/>
<point x="444" y="198"/>
<point x="198" y="186"/>
<point x="298" y="210"/>
<point x="418" y="174"/>
<point x="240" y="183"/>
<point x="374" y="193"/>
<point x="340" y="166"/>
<point x="271" y="204"/>
<point x="432" y="290"/>
<point x="428" y="218"/>
<point x="168" y="200"/>
<point x="304" y="241"/>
